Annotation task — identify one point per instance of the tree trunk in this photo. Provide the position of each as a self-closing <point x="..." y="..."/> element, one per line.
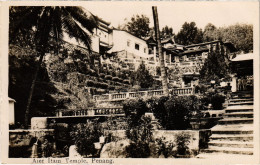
<point x="161" y="58"/>
<point x="27" y="111"/>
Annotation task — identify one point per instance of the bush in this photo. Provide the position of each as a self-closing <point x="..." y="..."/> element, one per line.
<point x="85" y="135"/>
<point x="115" y="78"/>
<point x="140" y="136"/>
<point x="104" y="85"/>
<point x="126" y="81"/>
<point x="111" y="87"/>
<point x="165" y="147"/>
<point x="134" y="110"/>
<point x="174" y="112"/>
<point x="182" y="142"/>
<point x="102" y="75"/>
<point x="216" y="100"/>
<point x="108" y="77"/>
<point x="90" y="83"/>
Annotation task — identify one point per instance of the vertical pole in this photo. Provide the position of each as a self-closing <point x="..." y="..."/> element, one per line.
<point x="161" y="59"/>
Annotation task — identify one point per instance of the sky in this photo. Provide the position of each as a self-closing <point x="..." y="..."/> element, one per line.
<point x="174" y="14"/>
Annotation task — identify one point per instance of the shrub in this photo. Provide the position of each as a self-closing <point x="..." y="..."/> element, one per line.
<point x="102" y="75"/>
<point x="111" y="87"/>
<point x="104" y="85"/>
<point x="140" y="136"/>
<point x="134" y="109"/>
<point x="174" y="112"/>
<point x="182" y="141"/>
<point x="108" y="77"/>
<point x="115" y="78"/>
<point x="120" y="80"/>
<point x="165" y="147"/>
<point x="215" y="99"/>
<point x="85" y="135"/>
<point x="126" y="81"/>
<point x="90" y="83"/>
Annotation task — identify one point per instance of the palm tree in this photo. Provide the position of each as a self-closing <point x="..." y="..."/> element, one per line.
<point x="161" y="59"/>
<point x="47" y="23"/>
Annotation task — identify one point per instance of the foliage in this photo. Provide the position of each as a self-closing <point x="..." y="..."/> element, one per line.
<point x="85" y="135"/>
<point x="156" y="105"/>
<point x="215" y="99"/>
<point x="179" y="109"/>
<point x="49" y="22"/>
<point x="209" y="33"/>
<point x="140" y="136"/>
<point x="216" y="66"/>
<point x="134" y="109"/>
<point x="241" y="35"/>
<point x="167" y="32"/>
<point x="165" y="147"/>
<point x="21" y="63"/>
<point x="142" y="77"/>
<point x="174" y="113"/>
<point x="46" y="26"/>
<point x="138" y="26"/>
<point x="182" y="142"/>
<point x="189" y="34"/>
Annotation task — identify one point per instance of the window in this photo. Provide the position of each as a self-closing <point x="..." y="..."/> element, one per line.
<point x="128" y="43"/>
<point x="144" y="50"/>
<point x="137" y="46"/>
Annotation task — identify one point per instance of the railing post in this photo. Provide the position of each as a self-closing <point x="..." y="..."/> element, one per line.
<point x="109" y="96"/>
<point x="127" y="95"/>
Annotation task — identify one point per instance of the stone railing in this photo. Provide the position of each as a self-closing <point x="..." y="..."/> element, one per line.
<point x="91" y="112"/>
<point x="151" y="93"/>
<point x="183" y="91"/>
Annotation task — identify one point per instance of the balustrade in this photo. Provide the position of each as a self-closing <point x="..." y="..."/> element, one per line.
<point x="97" y="111"/>
<point x="152" y="93"/>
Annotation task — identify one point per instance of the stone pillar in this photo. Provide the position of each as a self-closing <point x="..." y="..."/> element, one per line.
<point x="164" y="57"/>
<point x="234" y="84"/>
<point x="170" y="58"/>
<point x="154" y="54"/>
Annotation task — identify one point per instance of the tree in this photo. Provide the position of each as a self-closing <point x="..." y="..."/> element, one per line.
<point x="167" y="32"/>
<point x="241" y="35"/>
<point x="209" y="33"/>
<point x="161" y="58"/>
<point x="142" y="77"/>
<point x="189" y="34"/>
<point x="215" y="66"/>
<point x="50" y="23"/>
<point x="138" y="26"/>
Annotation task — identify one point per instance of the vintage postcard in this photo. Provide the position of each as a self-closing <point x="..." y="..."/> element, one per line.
<point x="105" y="82"/>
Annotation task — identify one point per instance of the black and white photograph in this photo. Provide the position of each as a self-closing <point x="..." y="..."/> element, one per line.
<point x="108" y="82"/>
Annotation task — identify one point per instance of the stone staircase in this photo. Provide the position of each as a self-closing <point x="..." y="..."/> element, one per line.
<point x="234" y="133"/>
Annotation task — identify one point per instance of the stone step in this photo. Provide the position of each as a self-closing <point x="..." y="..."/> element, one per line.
<point x="229" y="150"/>
<point x="240" y="100"/>
<point x="235" y="121"/>
<point x="234" y="144"/>
<point x="239" y="114"/>
<point x="241" y="103"/>
<point x="232" y="132"/>
<point x="241" y="108"/>
<point x="233" y="128"/>
<point x="225" y="157"/>
<point x="232" y="137"/>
